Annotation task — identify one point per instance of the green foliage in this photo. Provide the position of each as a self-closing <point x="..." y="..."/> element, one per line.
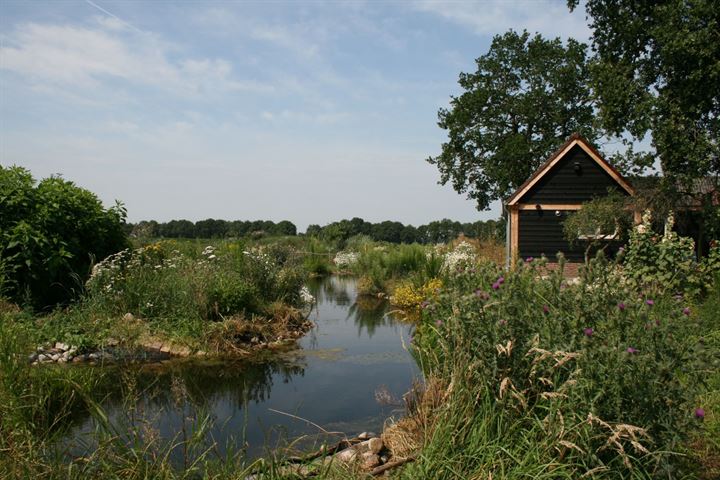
<point x="656" y="71"/>
<point x="49" y="235"/>
<point x="527" y="96"/>
<point x="598" y="221"/>
<point x="569" y="371"/>
<point x="160" y="283"/>
<point x="667" y="263"/>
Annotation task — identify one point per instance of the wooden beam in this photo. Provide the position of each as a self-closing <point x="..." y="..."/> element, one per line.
<point x="549" y="206"/>
<point x="514" y="236"/>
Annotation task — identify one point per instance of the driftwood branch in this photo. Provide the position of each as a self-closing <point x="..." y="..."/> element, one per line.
<point x="382" y="468"/>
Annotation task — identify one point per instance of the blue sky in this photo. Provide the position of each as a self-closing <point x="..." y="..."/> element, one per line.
<point x="306" y="111"/>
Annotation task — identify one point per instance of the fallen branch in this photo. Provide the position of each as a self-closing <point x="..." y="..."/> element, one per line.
<point x="382" y="468"/>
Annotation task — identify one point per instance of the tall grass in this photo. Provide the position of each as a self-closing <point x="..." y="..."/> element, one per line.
<point x="545" y="379"/>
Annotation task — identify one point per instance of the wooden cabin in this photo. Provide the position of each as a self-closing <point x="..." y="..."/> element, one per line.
<point x="574" y="174"/>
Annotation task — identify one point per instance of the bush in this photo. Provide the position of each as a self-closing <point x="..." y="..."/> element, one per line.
<point x="49" y="235"/>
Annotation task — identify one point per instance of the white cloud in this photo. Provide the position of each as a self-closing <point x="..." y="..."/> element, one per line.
<point x="548" y="17"/>
<point x="84" y="57"/>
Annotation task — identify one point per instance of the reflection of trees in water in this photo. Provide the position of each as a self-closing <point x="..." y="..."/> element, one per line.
<point x="202" y="384"/>
<point x="338" y="290"/>
<point x="369" y="313"/>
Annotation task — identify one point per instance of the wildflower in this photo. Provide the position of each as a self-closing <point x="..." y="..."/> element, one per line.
<point x="650" y="302"/>
<point x="686" y="311"/>
<point x="495" y="286"/>
<point x="631" y="350"/>
<point x="529" y="259"/>
<point x="481" y="294"/>
<point x="588" y="332"/>
<point x="621" y="306"/>
<point x="438" y="322"/>
<point x="700" y="413"/>
<point x="546" y="309"/>
<point x="502" y="322"/>
<point x="424" y="304"/>
<point x="501" y="280"/>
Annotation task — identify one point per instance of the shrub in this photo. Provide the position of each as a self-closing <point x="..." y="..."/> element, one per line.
<point x="49" y="235"/>
<point x="666" y="263"/>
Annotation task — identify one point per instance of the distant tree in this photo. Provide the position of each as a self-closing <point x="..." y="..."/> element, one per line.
<point x="145" y="229"/>
<point x="285" y="227"/>
<point x="657" y="72"/>
<point x="527" y="95"/>
<point x="313" y="230"/>
<point x="388" y="231"/>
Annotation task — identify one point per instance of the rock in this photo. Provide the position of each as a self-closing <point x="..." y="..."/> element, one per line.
<point x="62" y="346"/>
<point x="78" y="359"/>
<point x="370" y="460"/>
<point x="43" y="358"/>
<point x="66" y="356"/>
<point x="93" y="356"/>
<point x="364" y="436"/>
<point x="348" y="455"/>
<point x="376" y="445"/>
<point x="128" y="317"/>
<point x="112" y="342"/>
<point x="55" y="357"/>
<point x="32" y="357"/>
<point x="62" y="360"/>
<point x="384" y="458"/>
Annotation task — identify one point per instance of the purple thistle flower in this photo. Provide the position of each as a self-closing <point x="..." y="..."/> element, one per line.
<point x="686" y="311"/>
<point x="495" y="286"/>
<point x="700" y="413"/>
<point x="501" y="280"/>
<point x="529" y="259"/>
<point x="588" y="332"/>
<point x="482" y="294"/>
<point x="621" y="306"/>
<point x="650" y="302"/>
<point x="631" y="350"/>
<point x="546" y="309"/>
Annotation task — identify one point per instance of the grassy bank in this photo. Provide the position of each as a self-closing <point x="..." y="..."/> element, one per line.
<point x="197" y="297"/>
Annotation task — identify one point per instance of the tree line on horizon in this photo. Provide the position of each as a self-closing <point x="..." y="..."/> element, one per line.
<point x="336" y="232"/>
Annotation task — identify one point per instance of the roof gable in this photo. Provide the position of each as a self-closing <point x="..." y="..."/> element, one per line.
<point x="574" y="141"/>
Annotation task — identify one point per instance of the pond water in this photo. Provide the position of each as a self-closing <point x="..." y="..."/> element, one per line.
<point x="355" y="353"/>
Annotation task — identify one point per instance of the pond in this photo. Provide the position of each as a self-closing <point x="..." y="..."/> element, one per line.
<point x="347" y="376"/>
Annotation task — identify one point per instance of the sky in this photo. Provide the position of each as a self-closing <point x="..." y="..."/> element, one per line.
<point x="304" y="111"/>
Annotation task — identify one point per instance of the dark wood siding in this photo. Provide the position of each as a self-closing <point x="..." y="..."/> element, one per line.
<point x="563" y="184"/>
<point x="541" y="233"/>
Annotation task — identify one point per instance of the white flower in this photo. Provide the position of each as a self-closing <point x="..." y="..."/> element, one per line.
<point x="345" y="259"/>
<point x="306" y="296"/>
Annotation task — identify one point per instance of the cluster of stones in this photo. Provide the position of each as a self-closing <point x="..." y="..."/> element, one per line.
<point x="63" y="353"/>
<point x="366" y="451"/>
<point x="369" y="453"/>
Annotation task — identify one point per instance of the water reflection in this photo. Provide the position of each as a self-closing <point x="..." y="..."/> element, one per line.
<point x="330" y="380"/>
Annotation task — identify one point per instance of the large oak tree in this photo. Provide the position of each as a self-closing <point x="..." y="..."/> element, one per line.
<point x="527" y="95"/>
<point x="656" y="71"/>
